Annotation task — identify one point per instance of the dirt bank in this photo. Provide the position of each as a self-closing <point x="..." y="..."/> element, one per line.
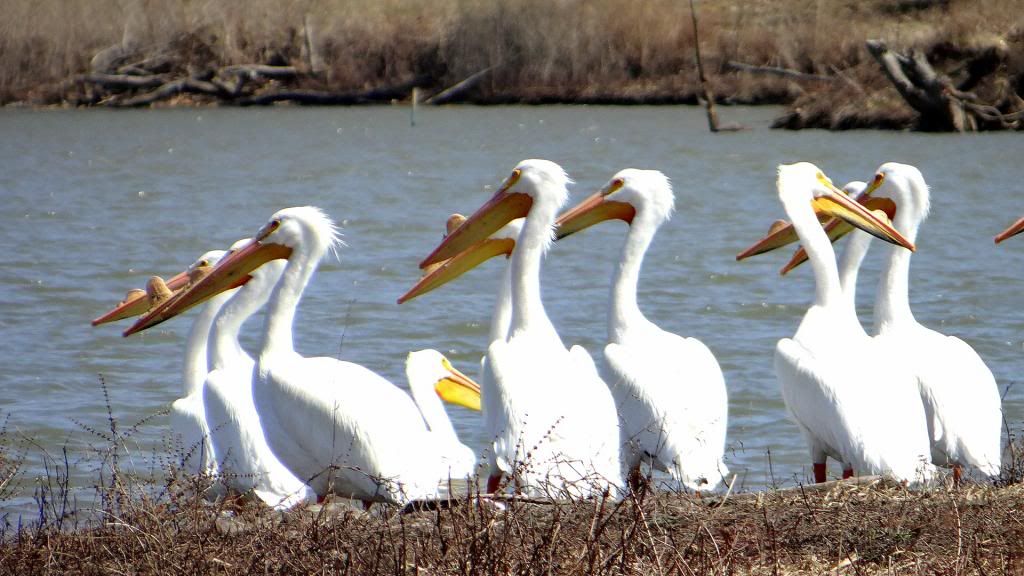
<point x="809" y="54"/>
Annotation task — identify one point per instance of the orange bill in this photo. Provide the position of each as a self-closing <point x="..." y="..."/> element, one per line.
<point x="457" y="388"/>
<point x="501" y="209"/>
<point x="136" y="302"/>
<point x="231" y="272"/>
<point x="441" y="273"/>
<point x="1014" y="229"/>
<point x="780" y="233"/>
<point x="594" y="209"/>
<point x="837" y="228"/>
<point x="837" y="203"/>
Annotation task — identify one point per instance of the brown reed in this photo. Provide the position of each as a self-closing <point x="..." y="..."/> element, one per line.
<point x="537" y="50"/>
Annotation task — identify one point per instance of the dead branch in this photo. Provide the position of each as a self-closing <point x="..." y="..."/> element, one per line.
<point x="254" y="71"/>
<point x="459" y="88"/>
<point x="122" y="81"/>
<point x="307" y="97"/>
<point x="170" y="89"/>
<point x="776" y="71"/>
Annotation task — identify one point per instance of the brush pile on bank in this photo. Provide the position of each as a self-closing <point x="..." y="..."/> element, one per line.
<point x="974" y="82"/>
<point x="156" y="522"/>
<point x="846" y="528"/>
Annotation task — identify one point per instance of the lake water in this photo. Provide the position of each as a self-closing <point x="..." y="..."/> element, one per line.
<point x="97" y="201"/>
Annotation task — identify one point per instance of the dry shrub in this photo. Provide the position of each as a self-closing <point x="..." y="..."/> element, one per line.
<point x="863" y="528"/>
<point x="542" y="50"/>
<point x="157" y="522"/>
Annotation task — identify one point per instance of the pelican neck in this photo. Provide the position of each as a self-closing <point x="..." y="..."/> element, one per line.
<point x="827" y="289"/>
<point x="624" y="313"/>
<point x="892" y="307"/>
<point x="196" y="346"/>
<point x="502" y="317"/>
<point x="284" y="301"/>
<point x="528" y="312"/>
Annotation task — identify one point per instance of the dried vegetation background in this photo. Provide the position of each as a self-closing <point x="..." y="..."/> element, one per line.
<point x="534" y="51"/>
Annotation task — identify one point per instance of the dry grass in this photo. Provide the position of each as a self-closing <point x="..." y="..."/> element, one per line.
<point x="155" y="524"/>
<point x="542" y="51"/>
<point x="847" y="529"/>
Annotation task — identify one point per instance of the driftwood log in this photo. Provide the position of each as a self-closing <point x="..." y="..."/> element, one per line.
<point x="943" y="106"/>
<point x="328" y="98"/>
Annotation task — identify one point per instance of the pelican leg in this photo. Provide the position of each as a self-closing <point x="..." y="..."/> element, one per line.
<point x="819" y="457"/>
<point x="493" y="483"/>
<point x="819" y="472"/>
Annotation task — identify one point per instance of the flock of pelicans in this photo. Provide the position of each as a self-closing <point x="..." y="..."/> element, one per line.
<point x="289" y="429"/>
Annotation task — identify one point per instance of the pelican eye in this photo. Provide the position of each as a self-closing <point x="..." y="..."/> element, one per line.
<point x="203" y="263"/>
<point x="268" y="229"/>
<point x="614" y="186"/>
<point x="446" y="364"/>
<point x="511" y="181"/>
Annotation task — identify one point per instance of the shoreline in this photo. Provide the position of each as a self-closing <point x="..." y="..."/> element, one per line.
<point x="519" y="52"/>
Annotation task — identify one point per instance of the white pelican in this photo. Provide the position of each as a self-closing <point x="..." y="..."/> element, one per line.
<point x="669" y="390"/>
<point x="499" y="243"/>
<point x="959" y="392"/>
<point x="245" y="460"/>
<point x="337" y="425"/>
<point x="188" y="413"/>
<point x="832" y="393"/>
<point x="555" y="429"/>
<point x="431" y="379"/>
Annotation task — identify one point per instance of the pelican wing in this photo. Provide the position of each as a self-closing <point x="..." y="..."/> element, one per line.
<point x="672" y="404"/>
<point x="191" y="435"/>
<point x="557" y="428"/>
<point x="959" y="393"/>
<point x="237" y="435"/>
<point x="809" y="389"/>
<point x="338" y="424"/>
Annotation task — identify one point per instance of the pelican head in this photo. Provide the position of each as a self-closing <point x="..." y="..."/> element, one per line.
<point x="805" y="182"/>
<point x="302" y="226"/>
<point x="303" y="229"/>
<point x="431" y="367"/>
<point x="632" y="193"/>
<point x="904" y="185"/>
<point x="137" y="301"/>
<point x="534" y="186"/>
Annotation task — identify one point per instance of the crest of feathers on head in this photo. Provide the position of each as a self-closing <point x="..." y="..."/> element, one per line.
<point x="324" y="231"/>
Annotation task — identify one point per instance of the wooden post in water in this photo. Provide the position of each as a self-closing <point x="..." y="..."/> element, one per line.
<point x="709" y="98"/>
<point x="415" y="104"/>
